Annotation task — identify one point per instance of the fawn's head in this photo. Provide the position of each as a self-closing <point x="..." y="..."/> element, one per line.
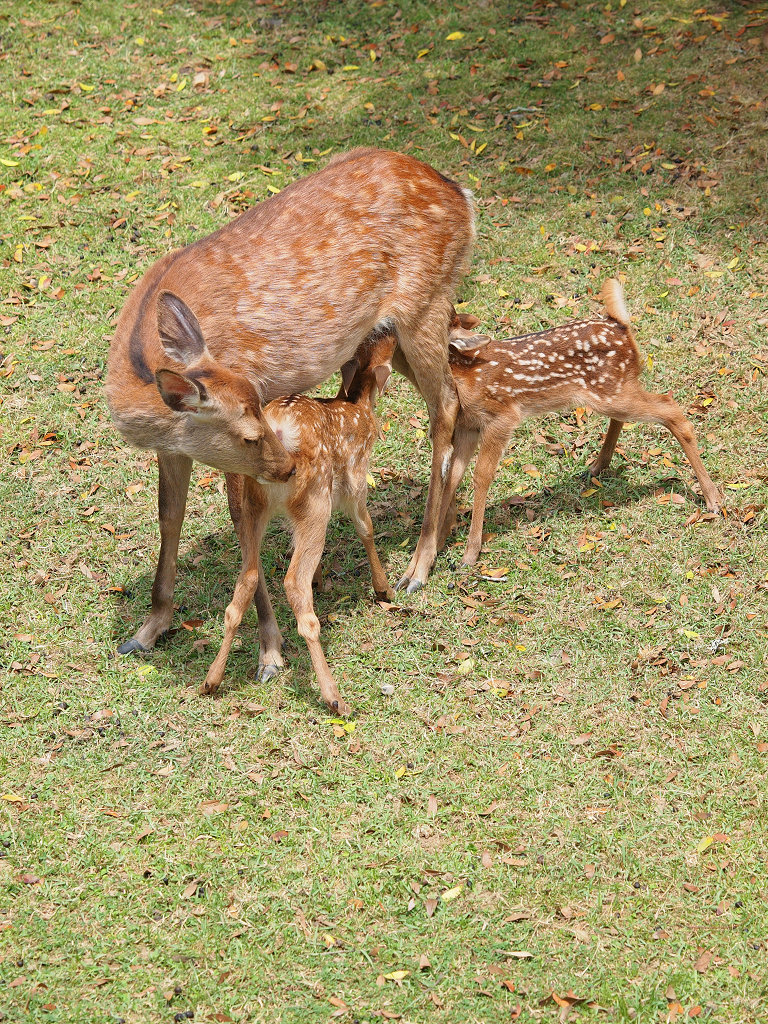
<point x="223" y="422"/>
<point x="367" y="372"/>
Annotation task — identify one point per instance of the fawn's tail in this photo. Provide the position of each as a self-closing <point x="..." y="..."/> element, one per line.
<point x="612" y="297"/>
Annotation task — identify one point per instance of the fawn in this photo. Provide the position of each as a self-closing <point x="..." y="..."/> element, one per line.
<point x="330" y="441"/>
<point x="593" y="363"/>
<point x="375" y="240"/>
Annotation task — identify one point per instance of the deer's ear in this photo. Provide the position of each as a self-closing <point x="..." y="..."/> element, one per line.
<point x="468" y="321"/>
<point x="180" y="393"/>
<point x="348" y="371"/>
<point x="179" y="329"/>
<point x="468" y="344"/>
<point x="381" y="373"/>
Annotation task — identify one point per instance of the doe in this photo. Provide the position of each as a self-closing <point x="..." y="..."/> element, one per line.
<point x="592" y="363"/>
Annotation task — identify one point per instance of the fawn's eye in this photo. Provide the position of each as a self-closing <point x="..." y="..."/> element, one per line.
<point x="252" y="440"/>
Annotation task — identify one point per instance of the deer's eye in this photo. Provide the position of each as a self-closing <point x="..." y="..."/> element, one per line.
<point x="252" y="440"/>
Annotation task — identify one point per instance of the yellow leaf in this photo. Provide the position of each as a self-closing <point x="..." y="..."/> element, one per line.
<point x="421" y="53"/>
<point x="236" y="176"/>
<point x="9" y="163"/>
<point x="550" y="167"/>
<point x="691" y="634"/>
<point x="273" y="188"/>
<point x="329" y="940"/>
<point x="182" y="85"/>
<point x="369" y="480"/>
<point x="400" y="772"/>
<point x="649" y="362"/>
<point x="451" y="894"/>
<point x="669" y="167"/>
<point x="18" y="252"/>
<point x="454" y="35"/>
<point x="372" y="54"/>
<point x="595" y="106"/>
<point x="396" y="975"/>
<point x="86" y="88"/>
<point x="466" y="667"/>
<point x="12" y="798"/>
<point x="580" y="247"/>
<point x="197" y="184"/>
<point x="480" y="148"/>
<point x="520" y="647"/>
<point x="503" y="294"/>
<point x="705" y="844"/>
<point x="647" y="211"/>
<point x="351" y="67"/>
<point x="349" y="727"/>
<point x="589" y="491"/>
<point x="139" y="40"/>
<point x="734" y="263"/>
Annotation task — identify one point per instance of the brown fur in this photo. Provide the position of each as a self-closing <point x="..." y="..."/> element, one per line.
<point x="373" y="237"/>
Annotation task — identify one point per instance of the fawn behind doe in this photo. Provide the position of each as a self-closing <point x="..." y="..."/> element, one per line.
<point x="592" y="363"/>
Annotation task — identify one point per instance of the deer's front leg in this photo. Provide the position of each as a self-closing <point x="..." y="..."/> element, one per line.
<point x="309" y="543"/>
<point x="252" y="525"/>
<point x="174" y="474"/>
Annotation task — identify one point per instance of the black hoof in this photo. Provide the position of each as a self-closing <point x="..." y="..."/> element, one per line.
<point x="267" y="672"/>
<point x="402" y="583"/>
<point x="132" y="645"/>
<point x="414" y="586"/>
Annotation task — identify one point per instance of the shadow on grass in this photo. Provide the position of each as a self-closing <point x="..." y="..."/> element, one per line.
<point x="206" y="577"/>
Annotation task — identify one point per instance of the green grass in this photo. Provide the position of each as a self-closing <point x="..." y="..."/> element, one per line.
<point x="235" y="857"/>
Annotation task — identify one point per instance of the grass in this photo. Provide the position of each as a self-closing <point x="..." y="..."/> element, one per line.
<point x="562" y="806"/>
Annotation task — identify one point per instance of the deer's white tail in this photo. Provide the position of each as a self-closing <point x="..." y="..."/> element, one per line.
<point x="612" y="297"/>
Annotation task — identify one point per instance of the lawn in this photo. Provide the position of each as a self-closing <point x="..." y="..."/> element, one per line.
<point x="560" y="812"/>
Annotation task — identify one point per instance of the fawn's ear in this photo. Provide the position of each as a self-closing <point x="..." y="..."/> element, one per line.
<point x="467" y="321"/>
<point x="180" y="393"/>
<point x="179" y="329"/>
<point x="348" y="371"/>
<point x="467" y="345"/>
<point x="381" y="373"/>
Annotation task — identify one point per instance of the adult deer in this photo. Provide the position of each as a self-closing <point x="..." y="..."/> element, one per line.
<point x="272" y="304"/>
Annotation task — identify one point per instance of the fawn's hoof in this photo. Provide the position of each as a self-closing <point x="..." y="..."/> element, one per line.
<point x="414" y="586"/>
<point x="267" y="672"/>
<point x="208" y="688"/>
<point x="385" y="595"/>
<point x="132" y="645"/>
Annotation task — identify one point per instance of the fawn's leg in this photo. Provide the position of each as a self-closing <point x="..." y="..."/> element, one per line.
<point x="492" y="445"/>
<point x="637" y="405"/>
<point x="270" y="639"/>
<point x="464" y="447"/>
<point x="361" y="520"/>
<point x="605" y="454"/>
<point x="666" y="411"/>
<point x="252" y="525"/>
<point x="174" y="473"/>
<point x="426" y="349"/>
<point x="309" y="543"/>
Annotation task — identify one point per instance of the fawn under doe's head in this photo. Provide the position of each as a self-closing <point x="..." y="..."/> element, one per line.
<point x="224" y="426"/>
